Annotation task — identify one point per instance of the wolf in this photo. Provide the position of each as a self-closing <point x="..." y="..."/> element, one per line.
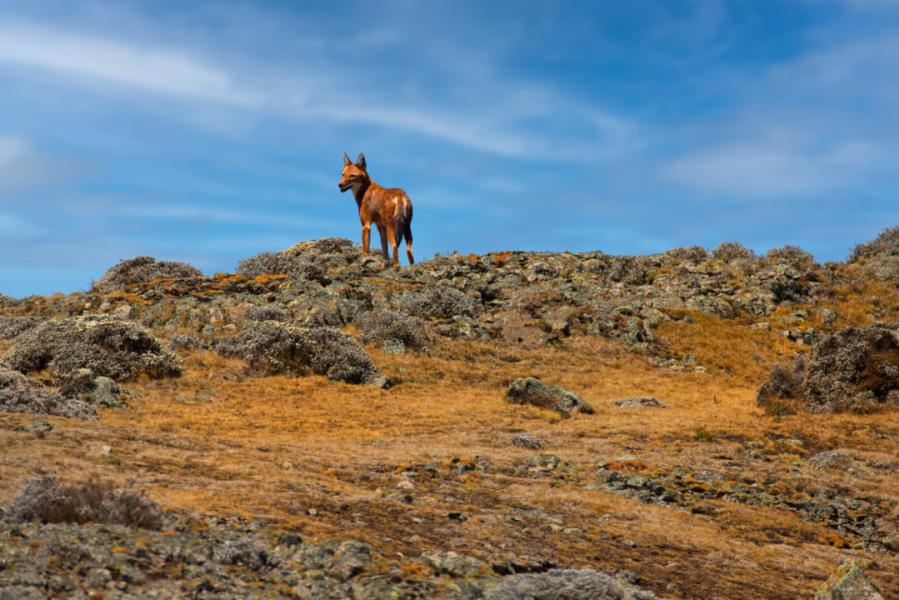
<point x="390" y="209"/>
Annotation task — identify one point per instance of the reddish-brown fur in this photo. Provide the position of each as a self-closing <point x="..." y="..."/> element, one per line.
<point x="390" y="209"/>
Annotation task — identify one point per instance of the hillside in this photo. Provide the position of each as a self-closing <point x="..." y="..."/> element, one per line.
<point x="318" y="425"/>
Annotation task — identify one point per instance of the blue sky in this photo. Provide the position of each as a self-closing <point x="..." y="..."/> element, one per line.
<point x="211" y="131"/>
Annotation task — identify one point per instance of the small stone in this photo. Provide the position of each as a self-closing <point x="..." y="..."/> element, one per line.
<point x="526" y="440"/>
<point x="39" y="426"/>
<point x="640" y="402"/>
<point x="405" y="484"/>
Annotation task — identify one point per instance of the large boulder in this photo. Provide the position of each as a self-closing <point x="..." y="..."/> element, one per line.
<point x="530" y="390"/>
<point x="19" y="394"/>
<point x="270" y="348"/>
<point x="565" y="584"/>
<point x="108" y="346"/>
<point x="140" y="270"/>
<point x="853" y="369"/>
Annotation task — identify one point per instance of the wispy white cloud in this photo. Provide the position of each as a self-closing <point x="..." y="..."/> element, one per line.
<point x="772" y="170"/>
<point x="472" y="107"/>
<point x="193" y="212"/>
<point x="106" y="59"/>
<point x="823" y="122"/>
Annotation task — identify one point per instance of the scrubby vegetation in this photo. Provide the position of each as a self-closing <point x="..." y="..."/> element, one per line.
<point x="111" y="347"/>
<point x="270" y="348"/>
<point x="47" y="500"/>
<point x="143" y="269"/>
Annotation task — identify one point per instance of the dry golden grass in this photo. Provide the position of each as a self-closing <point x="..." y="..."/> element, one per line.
<point x="325" y="458"/>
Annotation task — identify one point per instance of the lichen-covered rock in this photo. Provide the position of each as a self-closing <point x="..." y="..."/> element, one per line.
<point x="530" y="390"/>
<point x="640" y="402"/>
<point x="271" y="348"/>
<point x="389" y="325"/>
<point x="94" y="389"/>
<point x="141" y="270"/>
<point x="565" y="584"/>
<point x="848" y="583"/>
<point x="47" y="500"/>
<point x="108" y="346"/>
<point x="20" y="394"/>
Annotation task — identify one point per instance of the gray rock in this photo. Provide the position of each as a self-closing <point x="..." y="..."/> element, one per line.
<point x="107" y="393"/>
<point x="456" y="565"/>
<point x="640" y="402"/>
<point x="530" y="390"/>
<point x="848" y="583"/>
<point x="565" y="584"/>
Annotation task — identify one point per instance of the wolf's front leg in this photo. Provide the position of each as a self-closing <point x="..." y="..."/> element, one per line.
<point x="366" y="234"/>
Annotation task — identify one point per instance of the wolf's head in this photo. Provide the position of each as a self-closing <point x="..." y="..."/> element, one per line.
<point x="354" y="174"/>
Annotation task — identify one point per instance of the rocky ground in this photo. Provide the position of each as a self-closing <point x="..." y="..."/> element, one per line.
<point x="317" y="425"/>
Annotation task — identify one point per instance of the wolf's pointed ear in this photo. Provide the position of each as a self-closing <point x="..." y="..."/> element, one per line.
<point x="360" y="162"/>
<point x="346" y="160"/>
